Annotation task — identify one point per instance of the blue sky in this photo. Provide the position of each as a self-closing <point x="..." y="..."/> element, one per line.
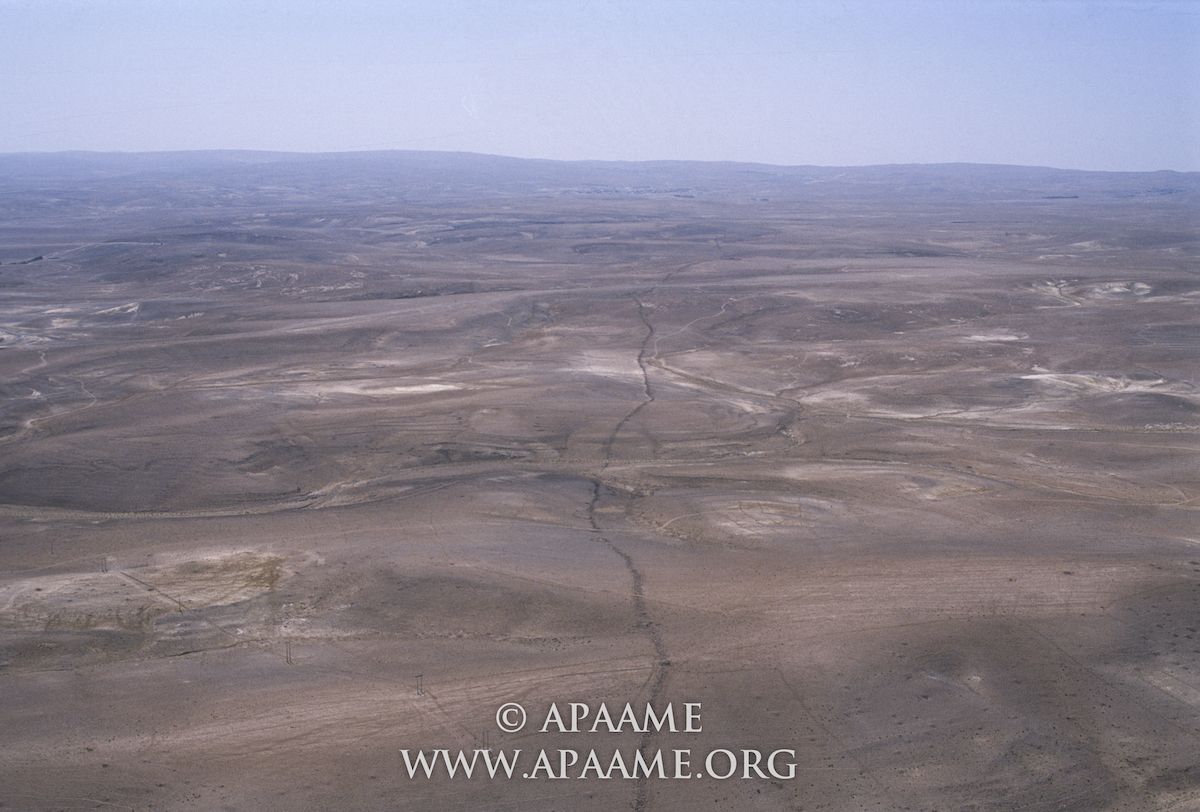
<point x="1092" y="85"/>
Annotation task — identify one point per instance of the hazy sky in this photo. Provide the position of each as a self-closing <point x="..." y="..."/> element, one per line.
<point x="1094" y="85"/>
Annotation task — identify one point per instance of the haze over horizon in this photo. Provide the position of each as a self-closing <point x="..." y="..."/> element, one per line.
<point x="1074" y="85"/>
<point x="616" y="162"/>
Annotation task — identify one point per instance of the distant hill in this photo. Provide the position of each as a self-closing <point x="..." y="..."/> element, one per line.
<point x="194" y="178"/>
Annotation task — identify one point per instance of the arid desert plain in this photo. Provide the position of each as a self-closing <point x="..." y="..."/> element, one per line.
<point x="309" y="460"/>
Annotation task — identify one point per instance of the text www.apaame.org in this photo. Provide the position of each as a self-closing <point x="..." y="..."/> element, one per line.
<point x="719" y="763"/>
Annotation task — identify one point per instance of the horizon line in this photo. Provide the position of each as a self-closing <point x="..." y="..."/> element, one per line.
<point x="615" y="161"/>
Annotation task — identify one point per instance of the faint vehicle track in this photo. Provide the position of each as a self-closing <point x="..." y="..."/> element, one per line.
<point x="31" y="423"/>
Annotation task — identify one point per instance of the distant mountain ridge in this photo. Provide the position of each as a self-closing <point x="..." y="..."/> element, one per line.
<point x="243" y="156"/>
<point x="459" y="175"/>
